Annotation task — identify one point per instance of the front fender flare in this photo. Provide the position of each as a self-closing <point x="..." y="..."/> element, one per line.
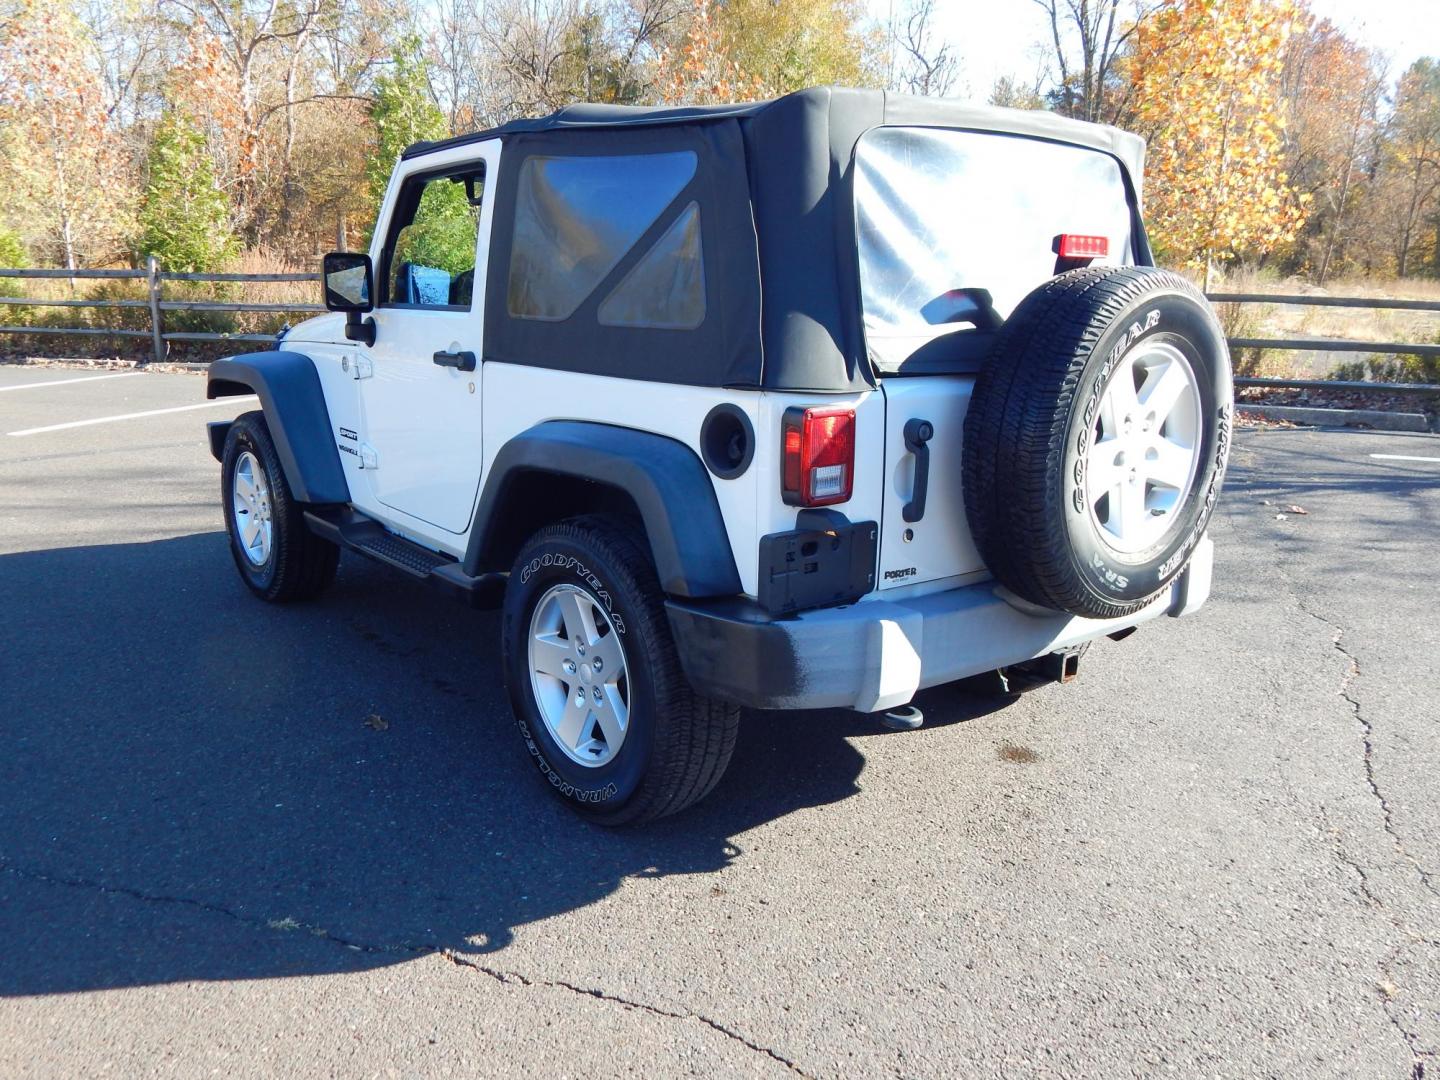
<point x="664" y="477"/>
<point x="294" y="402"/>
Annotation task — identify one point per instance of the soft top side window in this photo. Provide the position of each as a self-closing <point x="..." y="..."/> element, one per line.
<point x="429" y="255"/>
<point x="665" y="290"/>
<point x="577" y="217"/>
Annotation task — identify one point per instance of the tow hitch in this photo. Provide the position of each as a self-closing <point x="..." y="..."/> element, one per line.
<point x="1061" y="667"/>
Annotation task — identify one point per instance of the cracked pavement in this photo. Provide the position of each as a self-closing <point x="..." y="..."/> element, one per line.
<point x="1215" y="854"/>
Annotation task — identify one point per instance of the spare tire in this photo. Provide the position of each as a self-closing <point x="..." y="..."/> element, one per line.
<point x="1096" y="439"/>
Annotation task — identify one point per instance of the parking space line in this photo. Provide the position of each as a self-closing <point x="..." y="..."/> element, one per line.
<point x="133" y="415"/>
<point x="67" y="382"/>
<point x="1404" y="457"/>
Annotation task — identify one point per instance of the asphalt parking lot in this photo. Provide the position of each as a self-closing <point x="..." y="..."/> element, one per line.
<point x="1216" y="854"/>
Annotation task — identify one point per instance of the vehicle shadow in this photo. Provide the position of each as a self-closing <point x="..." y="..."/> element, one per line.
<point x="179" y="757"/>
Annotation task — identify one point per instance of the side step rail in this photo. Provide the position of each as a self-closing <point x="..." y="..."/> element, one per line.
<point x="361" y="534"/>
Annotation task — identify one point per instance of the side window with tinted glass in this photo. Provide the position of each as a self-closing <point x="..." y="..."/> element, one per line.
<point x="578" y="218"/>
<point x="430" y="261"/>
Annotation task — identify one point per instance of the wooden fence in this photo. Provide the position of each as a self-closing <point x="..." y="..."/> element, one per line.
<point x="1333" y="344"/>
<point x="155" y="277"/>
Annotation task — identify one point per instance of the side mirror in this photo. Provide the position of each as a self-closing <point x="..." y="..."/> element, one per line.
<point x="349" y="282"/>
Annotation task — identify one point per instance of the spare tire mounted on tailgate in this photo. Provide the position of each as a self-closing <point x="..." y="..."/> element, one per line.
<point x="1096" y="439"/>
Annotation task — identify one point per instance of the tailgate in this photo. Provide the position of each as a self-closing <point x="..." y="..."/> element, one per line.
<point x="939" y="544"/>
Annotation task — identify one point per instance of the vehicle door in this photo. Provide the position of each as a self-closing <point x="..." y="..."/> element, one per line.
<point x="420" y="381"/>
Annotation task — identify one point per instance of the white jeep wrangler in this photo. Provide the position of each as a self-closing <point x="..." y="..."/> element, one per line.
<point x="807" y="403"/>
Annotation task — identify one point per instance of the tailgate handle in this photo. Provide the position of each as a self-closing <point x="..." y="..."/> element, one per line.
<point x="461" y="361"/>
<point x="918" y="434"/>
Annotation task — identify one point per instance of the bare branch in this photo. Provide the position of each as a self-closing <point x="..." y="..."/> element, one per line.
<point x="928" y="69"/>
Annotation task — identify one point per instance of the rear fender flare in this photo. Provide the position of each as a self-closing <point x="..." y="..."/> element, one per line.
<point x="665" y="479"/>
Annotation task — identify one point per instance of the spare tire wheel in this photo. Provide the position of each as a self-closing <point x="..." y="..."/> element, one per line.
<point x="1096" y="439"/>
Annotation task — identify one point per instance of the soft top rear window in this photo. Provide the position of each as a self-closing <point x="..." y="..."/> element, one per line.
<point x="945" y="217"/>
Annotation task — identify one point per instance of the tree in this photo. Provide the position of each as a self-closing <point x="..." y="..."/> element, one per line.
<point x="644" y="28"/>
<point x="13" y="255"/>
<point x="239" y="38"/>
<point x="1088" y="86"/>
<point x="540" y="55"/>
<point x="593" y="63"/>
<point x="203" y="89"/>
<point x="922" y="65"/>
<point x="66" y="181"/>
<point x="334" y="143"/>
<point x="1411" y="158"/>
<point x="741" y="50"/>
<point x="700" y="70"/>
<point x="330" y="111"/>
<point x="1010" y="93"/>
<point x="799" y="43"/>
<point x="1331" y="89"/>
<point x="129" y="41"/>
<point x="1206" y="85"/>
<point x="528" y="42"/>
<point x="403" y="113"/>
<point x="457" y="68"/>
<point x="184" y="218"/>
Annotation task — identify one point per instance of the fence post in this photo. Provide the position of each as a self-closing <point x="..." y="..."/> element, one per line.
<point x="152" y="275"/>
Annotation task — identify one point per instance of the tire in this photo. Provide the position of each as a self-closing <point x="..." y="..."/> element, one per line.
<point x="1071" y="507"/>
<point x="675" y="744"/>
<point x="294" y="564"/>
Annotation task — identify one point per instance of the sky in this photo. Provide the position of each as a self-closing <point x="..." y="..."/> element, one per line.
<point x="1002" y="37"/>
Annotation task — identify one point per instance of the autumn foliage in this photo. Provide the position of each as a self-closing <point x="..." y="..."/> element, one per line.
<point x="63" y="165"/>
<point x="202" y="89"/>
<point x="744" y="50"/>
<point x="1332" y="90"/>
<point x="1207" y="91"/>
<point x="700" y="69"/>
<point x="1273" y="135"/>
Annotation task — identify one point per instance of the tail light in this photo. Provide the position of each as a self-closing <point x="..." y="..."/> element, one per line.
<point x="819" y="455"/>
<point x="1075" y="246"/>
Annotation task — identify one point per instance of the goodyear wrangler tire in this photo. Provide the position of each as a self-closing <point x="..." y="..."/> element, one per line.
<point x="1096" y="439"/>
<point x="278" y="557"/>
<point x="602" y="705"/>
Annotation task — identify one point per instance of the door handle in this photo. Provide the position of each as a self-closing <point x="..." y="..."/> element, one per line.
<point x="918" y="434"/>
<point x="460" y="361"/>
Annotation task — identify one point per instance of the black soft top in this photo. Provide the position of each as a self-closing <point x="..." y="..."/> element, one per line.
<point x="791" y="305"/>
<point x="587" y="115"/>
<point x="846" y="108"/>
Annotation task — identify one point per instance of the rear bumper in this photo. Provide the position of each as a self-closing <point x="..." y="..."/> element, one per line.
<point x="877" y="653"/>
